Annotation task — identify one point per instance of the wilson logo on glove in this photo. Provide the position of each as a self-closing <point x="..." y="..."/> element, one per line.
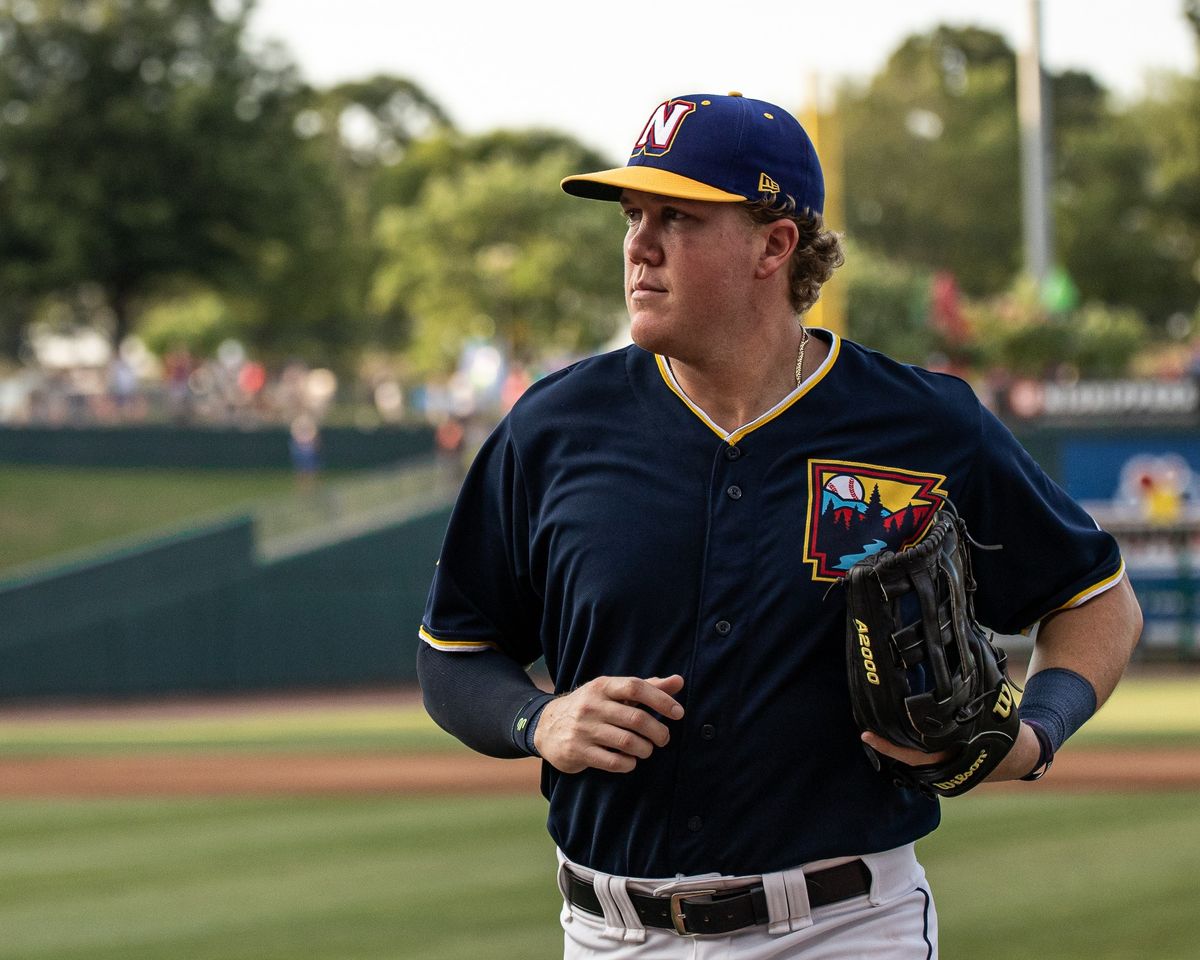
<point x="1004" y="702"/>
<point x="963" y="777"/>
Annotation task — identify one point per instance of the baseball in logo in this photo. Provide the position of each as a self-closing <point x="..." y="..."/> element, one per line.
<point x="857" y="509"/>
<point x="663" y="127"/>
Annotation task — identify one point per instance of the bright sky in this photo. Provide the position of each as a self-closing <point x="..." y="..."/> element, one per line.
<point x="586" y="70"/>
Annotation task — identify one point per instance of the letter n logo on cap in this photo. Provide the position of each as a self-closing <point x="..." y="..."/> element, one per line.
<point x="662" y="127"/>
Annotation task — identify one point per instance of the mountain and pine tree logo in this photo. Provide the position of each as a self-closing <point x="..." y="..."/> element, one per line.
<point x="857" y="509"/>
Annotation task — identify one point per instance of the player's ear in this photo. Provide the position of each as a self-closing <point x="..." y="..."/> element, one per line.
<point x="779" y="242"/>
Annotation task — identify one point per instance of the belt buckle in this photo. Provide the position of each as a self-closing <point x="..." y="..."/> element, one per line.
<point x="678" y="917"/>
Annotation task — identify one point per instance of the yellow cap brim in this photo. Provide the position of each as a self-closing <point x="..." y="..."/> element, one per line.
<point x="608" y="184"/>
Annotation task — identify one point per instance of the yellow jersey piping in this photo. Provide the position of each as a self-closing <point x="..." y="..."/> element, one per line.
<point x="1093" y="591"/>
<point x="811" y="381"/>
<point x="455" y="646"/>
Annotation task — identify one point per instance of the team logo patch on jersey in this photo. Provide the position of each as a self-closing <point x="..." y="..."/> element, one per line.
<point x="663" y="127"/>
<point x="857" y="509"/>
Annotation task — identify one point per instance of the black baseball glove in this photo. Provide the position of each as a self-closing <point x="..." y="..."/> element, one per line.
<point x="923" y="673"/>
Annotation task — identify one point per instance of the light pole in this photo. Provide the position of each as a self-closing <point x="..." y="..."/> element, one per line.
<point x="1033" y="112"/>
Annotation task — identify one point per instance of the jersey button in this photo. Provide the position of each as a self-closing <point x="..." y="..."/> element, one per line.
<point x="708" y="732"/>
<point x="732" y="453"/>
<point x="695" y="824"/>
<point x="734" y="492"/>
<point x="723" y="627"/>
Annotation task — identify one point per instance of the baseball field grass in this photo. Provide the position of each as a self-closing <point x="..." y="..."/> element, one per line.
<point x="1057" y="877"/>
<point x="275" y="879"/>
<point x="404" y="728"/>
<point x="1067" y="877"/>
<point x="1047" y="874"/>
<point x="45" y="511"/>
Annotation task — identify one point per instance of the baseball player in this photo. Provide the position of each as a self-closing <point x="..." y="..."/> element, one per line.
<point x="663" y="524"/>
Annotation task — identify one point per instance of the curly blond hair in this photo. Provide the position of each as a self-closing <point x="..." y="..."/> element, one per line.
<point x="818" y="252"/>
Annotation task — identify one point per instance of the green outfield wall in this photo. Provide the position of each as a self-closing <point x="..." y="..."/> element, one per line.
<point x="302" y="597"/>
<point x="161" y="445"/>
<point x="201" y="611"/>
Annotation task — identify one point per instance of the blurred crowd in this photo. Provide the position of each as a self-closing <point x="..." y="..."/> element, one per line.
<point x="84" y="382"/>
<point x="229" y="389"/>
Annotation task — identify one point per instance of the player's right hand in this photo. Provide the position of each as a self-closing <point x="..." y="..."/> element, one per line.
<point x="607" y="723"/>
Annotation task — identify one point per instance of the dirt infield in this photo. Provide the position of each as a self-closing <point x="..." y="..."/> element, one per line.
<point x="231" y="774"/>
<point x="291" y="774"/>
<point x="149" y="773"/>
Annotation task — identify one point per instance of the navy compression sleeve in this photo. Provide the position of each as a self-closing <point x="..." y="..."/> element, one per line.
<point x="486" y="699"/>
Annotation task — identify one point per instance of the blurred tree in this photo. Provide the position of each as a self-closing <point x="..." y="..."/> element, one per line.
<point x="143" y="147"/>
<point x="198" y="320"/>
<point x="16" y="300"/>
<point x="932" y="174"/>
<point x="1168" y="123"/>
<point x="493" y="250"/>
<point x="888" y="302"/>
<point x="931" y="157"/>
<point x="1127" y="196"/>
<point x="375" y="120"/>
<point x="446" y="151"/>
<point x="446" y="154"/>
<point x="1014" y="333"/>
<point x="363" y="131"/>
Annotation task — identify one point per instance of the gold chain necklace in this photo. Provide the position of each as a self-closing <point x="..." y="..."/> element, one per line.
<point x="800" y="355"/>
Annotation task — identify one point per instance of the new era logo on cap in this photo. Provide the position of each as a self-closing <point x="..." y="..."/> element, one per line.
<point x="766" y="184"/>
<point x="718" y="148"/>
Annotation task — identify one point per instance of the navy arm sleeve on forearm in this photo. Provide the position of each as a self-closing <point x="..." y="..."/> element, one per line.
<point x="486" y="699"/>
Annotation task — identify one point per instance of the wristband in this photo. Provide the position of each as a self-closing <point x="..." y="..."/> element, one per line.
<point x="526" y="722"/>
<point x="1060" y="700"/>
<point x="1045" y="752"/>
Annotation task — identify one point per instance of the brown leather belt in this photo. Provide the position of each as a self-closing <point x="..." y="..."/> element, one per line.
<point x="715" y="912"/>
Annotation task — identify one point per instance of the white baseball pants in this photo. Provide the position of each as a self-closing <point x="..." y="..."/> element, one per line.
<point x="896" y="920"/>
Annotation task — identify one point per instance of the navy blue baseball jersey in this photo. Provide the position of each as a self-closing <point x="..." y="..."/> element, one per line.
<point x="611" y="527"/>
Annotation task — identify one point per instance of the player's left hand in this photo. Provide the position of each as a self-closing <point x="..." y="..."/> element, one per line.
<point x="608" y="723"/>
<point x="1020" y="760"/>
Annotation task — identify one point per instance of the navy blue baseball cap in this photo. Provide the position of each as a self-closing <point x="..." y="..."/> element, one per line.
<point x="707" y="147"/>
